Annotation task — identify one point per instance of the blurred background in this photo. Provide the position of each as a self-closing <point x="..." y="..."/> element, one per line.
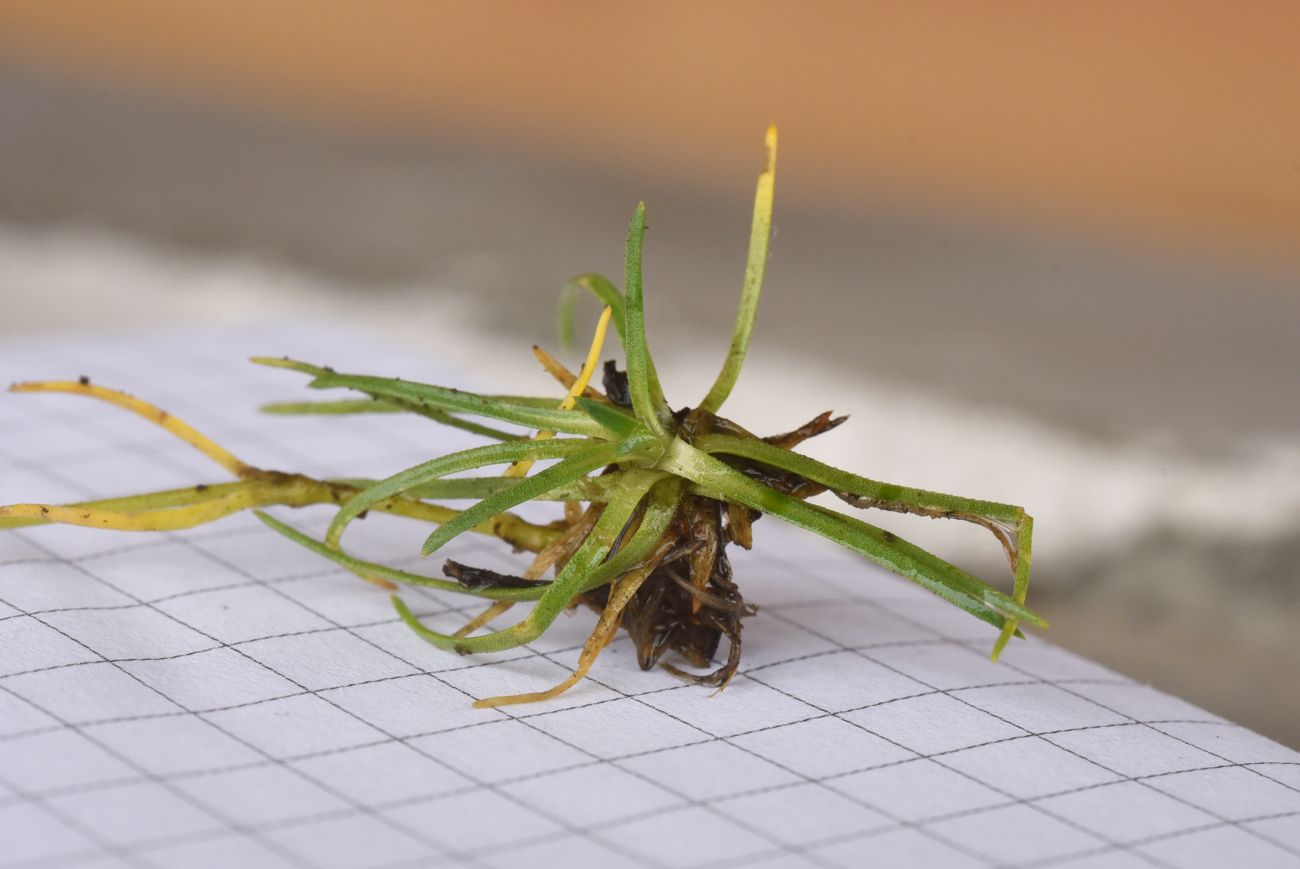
<point x="1041" y="253"/>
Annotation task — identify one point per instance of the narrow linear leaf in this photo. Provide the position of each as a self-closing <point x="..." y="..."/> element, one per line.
<point x="559" y="474"/>
<point x="604" y="291"/>
<point x="591" y="489"/>
<point x="370" y="405"/>
<point x="465" y="460"/>
<point x="615" y="421"/>
<point x="886" y="549"/>
<point x="425" y="395"/>
<point x="1024" y="553"/>
<point x="342" y="406"/>
<point x="437" y="397"/>
<point x="368" y="569"/>
<point x="545" y="401"/>
<point x="608" y="295"/>
<point x="760" y="235"/>
<point x="661" y="505"/>
<point x="1015" y="539"/>
<point x="844" y="481"/>
<point x="647" y="400"/>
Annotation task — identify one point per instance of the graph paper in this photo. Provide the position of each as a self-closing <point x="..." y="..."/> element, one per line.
<point x="221" y="697"/>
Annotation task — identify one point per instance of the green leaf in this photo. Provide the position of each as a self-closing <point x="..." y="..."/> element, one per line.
<point x="428" y="396"/>
<point x="833" y="478"/>
<point x="888" y="496"/>
<point x="1024" y="552"/>
<point x="370" y="405"/>
<point x="760" y="235"/>
<point x="608" y="295"/>
<point x="344" y="406"/>
<point x="647" y="400"/>
<point x="886" y="549"/>
<point x="592" y="489"/>
<point x="615" y="421"/>
<point x="604" y="291"/>
<point x="660" y="507"/>
<point x="465" y="460"/>
<point x="368" y="569"/>
<point x="562" y="473"/>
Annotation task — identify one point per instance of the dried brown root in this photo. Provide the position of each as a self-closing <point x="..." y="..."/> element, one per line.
<point x="670" y="613"/>
<point x="606" y="628"/>
<point x="706" y="538"/>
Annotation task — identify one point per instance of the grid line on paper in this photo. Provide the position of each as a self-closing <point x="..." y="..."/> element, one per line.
<point x="1035" y="804"/>
<point x="20" y="734"/>
<point x="180" y="794"/>
<point x="254" y="581"/>
<point x="601" y="840"/>
<point x="629" y="756"/>
<point x="112" y="848"/>
<point x="1063" y="686"/>
<point x="478" y="784"/>
<point x="655" y="805"/>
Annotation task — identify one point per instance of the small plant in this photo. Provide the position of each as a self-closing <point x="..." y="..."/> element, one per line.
<point x="652" y="496"/>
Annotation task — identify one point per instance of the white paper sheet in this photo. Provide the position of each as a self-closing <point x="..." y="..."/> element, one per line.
<point x="221" y="697"/>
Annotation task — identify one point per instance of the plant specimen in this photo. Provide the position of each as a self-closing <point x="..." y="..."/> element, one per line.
<point x="652" y="496"/>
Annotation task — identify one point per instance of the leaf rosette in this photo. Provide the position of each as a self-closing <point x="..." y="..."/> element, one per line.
<point x="652" y="496"/>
